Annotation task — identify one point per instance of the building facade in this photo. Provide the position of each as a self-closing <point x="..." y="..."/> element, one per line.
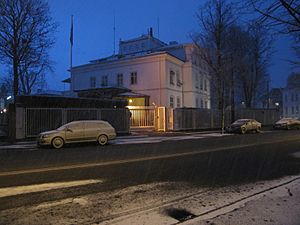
<point x="150" y="72"/>
<point x="291" y="102"/>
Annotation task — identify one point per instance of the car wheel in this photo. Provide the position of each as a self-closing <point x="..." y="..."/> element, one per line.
<point x="57" y="142"/>
<point x="243" y="130"/>
<point x="258" y="130"/>
<point x="102" y="139"/>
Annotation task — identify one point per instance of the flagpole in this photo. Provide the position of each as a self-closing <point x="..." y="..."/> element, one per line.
<point x="71" y="43"/>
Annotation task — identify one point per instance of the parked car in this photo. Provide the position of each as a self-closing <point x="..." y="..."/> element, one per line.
<point x="244" y="125"/>
<point x="287" y="123"/>
<point x="78" y="131"/>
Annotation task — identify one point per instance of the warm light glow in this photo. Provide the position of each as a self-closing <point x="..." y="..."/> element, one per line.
<point x="4" y="110"/>
<point x="130" y="101"/>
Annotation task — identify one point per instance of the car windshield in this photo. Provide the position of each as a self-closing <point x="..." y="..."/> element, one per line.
<point x="242" y="121"/>
<point x="62" y="128"/>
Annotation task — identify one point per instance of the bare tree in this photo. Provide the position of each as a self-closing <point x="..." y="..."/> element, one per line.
<point x="285" y="13"/>
<point x="214" y="19"/>
<point x="26" y="34"/>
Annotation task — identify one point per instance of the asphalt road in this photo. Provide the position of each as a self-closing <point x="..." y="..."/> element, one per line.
<point x="208" y="162"/>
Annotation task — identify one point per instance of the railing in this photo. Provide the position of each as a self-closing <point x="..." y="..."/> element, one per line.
<point x="38" y="120"/>
<point x="141" y="116"/>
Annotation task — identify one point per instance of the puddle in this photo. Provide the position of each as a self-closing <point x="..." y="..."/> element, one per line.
<point x="179" y="214"/>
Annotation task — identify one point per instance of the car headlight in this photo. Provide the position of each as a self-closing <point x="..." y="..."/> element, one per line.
<point x="45" y="135"/>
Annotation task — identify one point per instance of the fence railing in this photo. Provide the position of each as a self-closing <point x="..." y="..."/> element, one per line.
<point x="37" y="120"/>
<point x="141" y="116"/>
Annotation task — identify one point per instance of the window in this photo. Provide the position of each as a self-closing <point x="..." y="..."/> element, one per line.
<point x="297" y="109"/>
<point x="104" y="81"/>
<point x="293" y="111"/>
<point x="296" y="97"/>
<point x="197" y="81"/>
<point x="120" y="80"/>
<point x="172" y="77"/>
<point x="201" y="104"/>
<point x="201" y="84"/>
<point x="178" y="102"/>
<point x="171" y="101"/>
<point x="133" y="78"/>
<point x="92" y="82"/>
<point x="286" y="98"/>
<point x="292" y="97"/>
<point x="205" y="105"/>
<point x="205" y="85"/>
<point x="197" y="103"/>
<point x="179" y="82"/>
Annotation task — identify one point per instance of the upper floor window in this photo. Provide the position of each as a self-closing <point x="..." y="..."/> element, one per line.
<point x="133" y="78"/>
<point x="104" y="81"/>
<point x="171" y="101"/>
<point x="292" y="97"/>
<point x="172" y="77"/>
<point x="178" y="102"/>
<point x="206" y="104"/>
<point x="196" y="81"/>
<point x="201" y="103"/>
<point x="120" y="80"/>
<point x="201" y="84"/>
<point x="286" y="98"/>
<point x="296" y="97"/>
<point x="178" y="79"/>
<point x="92" y="82"/>
<point x="205" y="85"/>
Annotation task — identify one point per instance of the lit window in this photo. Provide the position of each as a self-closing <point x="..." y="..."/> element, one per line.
<point x="133" y="78"/>
<point x="120" y="80"/>
<point x="171" y="101"/>
<point x="92" y="82"/>
<point x="104" y="81"/>
<point x="172" y="77"/>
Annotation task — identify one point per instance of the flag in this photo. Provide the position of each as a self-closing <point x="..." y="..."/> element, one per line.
<point x="71" y="32"/>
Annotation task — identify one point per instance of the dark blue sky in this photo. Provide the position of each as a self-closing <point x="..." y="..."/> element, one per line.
<point x="93" y="31"/>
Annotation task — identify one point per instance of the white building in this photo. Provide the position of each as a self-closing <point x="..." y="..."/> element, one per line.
<point x="291" y="102"/>
<point x="150" y="72"/>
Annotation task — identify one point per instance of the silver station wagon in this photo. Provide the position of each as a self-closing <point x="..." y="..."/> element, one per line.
<point x="78" y="131"/>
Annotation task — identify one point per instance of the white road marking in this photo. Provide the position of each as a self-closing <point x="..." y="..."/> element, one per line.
<point x="17" y="190"/>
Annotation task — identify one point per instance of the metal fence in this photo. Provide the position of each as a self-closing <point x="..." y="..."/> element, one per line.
<point x="141" y="116"/>
<point x="37" y="120"/>
<point x="193" y="118"/>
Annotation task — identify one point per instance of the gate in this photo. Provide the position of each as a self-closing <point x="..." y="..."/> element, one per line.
<point x="141" y="116"/>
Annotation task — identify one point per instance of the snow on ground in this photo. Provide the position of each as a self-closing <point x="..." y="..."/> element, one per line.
<point x="153" y="204"/>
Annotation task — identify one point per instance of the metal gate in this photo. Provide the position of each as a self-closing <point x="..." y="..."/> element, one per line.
<point x="141" y="116"/>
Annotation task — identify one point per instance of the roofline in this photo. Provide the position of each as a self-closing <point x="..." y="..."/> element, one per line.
<point x="126" y="59"/>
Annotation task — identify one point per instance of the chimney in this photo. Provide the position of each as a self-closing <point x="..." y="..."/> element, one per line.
<point x="151" y="32"/>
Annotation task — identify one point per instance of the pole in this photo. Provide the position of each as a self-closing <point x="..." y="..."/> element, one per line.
<point x="71" y="44"/>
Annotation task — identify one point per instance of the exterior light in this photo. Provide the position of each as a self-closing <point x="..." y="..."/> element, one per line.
<point x="277" y="104"/>
<point x="130" y="100"/>
<point x="4" y="110"/>
<point x="9" y="97"/>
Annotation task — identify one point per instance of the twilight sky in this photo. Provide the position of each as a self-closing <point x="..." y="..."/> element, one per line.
<point x="93" y="31"/>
